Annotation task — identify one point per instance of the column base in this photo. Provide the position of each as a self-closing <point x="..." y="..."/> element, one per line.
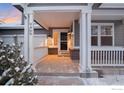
<point x="90" y="74"/>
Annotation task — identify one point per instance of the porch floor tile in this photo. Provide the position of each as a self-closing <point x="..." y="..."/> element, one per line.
<point x="56" y="64"/>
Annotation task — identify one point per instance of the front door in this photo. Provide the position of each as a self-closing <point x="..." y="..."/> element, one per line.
<point x="63" y="41"/>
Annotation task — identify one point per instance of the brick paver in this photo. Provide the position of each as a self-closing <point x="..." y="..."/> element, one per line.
<point x="55" y="64"/>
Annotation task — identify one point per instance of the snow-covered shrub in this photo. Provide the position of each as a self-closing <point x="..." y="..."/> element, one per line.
<point x="14" y="70"/>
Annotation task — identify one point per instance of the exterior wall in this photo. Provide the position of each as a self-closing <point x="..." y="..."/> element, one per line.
<point x="76" y="33"/>
<point x="52" y="51"/>
<point x="118" y="31"/>
<point x="74" y="54"/>
<point x="20" y="31"/>
<point x="40" y="48"/>
<point x="118" y="36"/>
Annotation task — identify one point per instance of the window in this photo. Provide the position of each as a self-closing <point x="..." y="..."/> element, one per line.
<point x="102" y="34"/>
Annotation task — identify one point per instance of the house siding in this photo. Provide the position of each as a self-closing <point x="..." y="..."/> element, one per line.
<point x="20" y="31"/>
<point x="76" y="33"/>
<point x="118" y="31"/>
<point x="40" y="36"/>
<point x="118" y="35"/>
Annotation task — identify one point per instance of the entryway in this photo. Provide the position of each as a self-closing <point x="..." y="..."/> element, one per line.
<point x="63" y="44"/>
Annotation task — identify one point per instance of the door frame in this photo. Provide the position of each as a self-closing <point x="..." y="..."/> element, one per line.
<point x="60" y="42"/>
<point x="59" y="38"/>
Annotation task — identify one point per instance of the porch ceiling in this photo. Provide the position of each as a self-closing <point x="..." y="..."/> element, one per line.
<point x="55" y="18"/>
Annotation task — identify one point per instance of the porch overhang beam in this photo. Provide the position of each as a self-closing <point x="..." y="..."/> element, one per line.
<point x="59" y="8"/>
<point x="59" y="27"/>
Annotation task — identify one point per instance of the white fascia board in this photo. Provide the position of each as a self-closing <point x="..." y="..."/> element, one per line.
<point x="16" y="26"/>
<point x="11" y="26"/>
<point x="107" y="12"/>
<point x="59" y="8"/>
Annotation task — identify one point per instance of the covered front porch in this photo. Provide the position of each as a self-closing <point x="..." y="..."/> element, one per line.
<point x="60" y="17"/>
<point x="59" y="65"/>
<point x="97" y="44"/>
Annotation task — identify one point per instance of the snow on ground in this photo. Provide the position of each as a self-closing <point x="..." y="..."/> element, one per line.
<point x="107" y="80"/>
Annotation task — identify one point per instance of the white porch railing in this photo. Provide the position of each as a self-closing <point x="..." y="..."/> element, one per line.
<point x="107" y="56"/>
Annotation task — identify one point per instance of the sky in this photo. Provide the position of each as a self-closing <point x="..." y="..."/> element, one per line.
<point x="9" y="14"/>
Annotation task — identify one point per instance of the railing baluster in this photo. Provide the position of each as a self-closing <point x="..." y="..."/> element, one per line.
<point x="108" y="57"/>
<point x="116" y="52"/>
<point x="92" y="57"/>
<point x="103" y="57"/>
<point x="95" y="58"/>
<point x="119" y="57"/>
<point x="111" y="57"/>
<point x="98" y="56"/>
<point x="114" y="58"/>
<point x="123" y="57"/>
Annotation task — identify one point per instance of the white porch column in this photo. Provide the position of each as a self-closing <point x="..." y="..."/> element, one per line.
<point x="85" y="42"/>
<point x="88" y="46"/>
<point x="31" y="39"/>
<point x="28" y="36"/>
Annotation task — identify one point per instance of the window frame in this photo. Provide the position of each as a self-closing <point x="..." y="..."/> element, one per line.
<point x="99" y="25"/>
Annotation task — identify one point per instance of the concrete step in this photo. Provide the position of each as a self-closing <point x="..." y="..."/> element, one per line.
<point x="57" y="74"/>
<point x="59" y="80"/>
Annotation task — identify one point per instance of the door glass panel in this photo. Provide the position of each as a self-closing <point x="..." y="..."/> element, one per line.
<point x="63" y="45"/>
<point x="63" y="41"/>
<point x="64" y="36"/>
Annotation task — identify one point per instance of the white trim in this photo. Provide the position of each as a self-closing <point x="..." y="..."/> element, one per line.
<point x="17" y="26"/>
<point x="76" y="47"/>
<point x="99" y="32"/>
<point x="11" y="35"/>
<point x="21" y="35"/>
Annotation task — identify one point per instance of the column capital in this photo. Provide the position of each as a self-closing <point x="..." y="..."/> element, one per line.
<point x="86" y="11"/>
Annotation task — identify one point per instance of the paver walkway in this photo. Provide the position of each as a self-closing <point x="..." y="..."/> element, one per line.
<point x="55" y="64"/>
<point x="52" y="67"/>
